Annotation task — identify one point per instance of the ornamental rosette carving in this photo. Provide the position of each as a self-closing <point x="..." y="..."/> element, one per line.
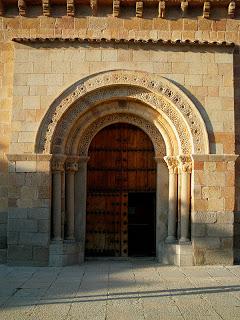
<point x="172" y="163"/>
<point x="185" y="163"/>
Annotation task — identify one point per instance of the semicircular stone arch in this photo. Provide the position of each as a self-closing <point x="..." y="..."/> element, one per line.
<point x="152" y="90"/>
<point x="130" y="112"/>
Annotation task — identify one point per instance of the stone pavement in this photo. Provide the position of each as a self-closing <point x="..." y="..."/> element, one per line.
<point x="120" y="290"/>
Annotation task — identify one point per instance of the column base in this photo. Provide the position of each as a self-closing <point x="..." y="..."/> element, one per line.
<point x="63" y="253"/>
<point x="171" y="239"/>
<point x="178" y="254"/>
<point x="184" y="240"/>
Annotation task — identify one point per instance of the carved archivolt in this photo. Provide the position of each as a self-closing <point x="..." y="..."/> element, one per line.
<point x="87" y="135"/>
<point x="152" y="90"/>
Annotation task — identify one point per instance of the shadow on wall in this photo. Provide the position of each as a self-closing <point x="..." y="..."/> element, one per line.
<point x="3" y="205"/>
<point x="236" y="73"/>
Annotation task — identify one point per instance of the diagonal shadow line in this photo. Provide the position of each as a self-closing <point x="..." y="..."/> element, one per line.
<point x="133" y="295"/>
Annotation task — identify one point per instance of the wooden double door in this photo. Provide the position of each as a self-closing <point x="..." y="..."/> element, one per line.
<point x="121" y="185"/>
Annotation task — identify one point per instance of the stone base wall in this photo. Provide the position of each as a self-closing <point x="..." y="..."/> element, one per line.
<point x="29" y="210"/>
<point x="213" y="209"/>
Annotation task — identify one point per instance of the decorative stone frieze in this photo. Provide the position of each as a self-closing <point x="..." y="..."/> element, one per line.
<point x="231" y="9"/>
<point x="139" y="9"/>
<point x="94" y="6"/>
<point x="22" y="7"/>
<point x="161" y="9"/>
<point x="116" y="8"/>
<point x="46" y="7"/>
<point x="206" y="9"/>
<point x="70" y="8"/>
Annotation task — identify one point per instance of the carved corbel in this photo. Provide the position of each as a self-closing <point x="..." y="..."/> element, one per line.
<point x="46" y="7"/>
<point x="22" y="7"/>
<point x="206" y="9"/>
<point x="1" y="8"/>
<point x="161" y="9"/>
<point x="94" y="6"/>
<point x="70" y="8"/>
<point x="139" y="9"/>
<point x="184" y="7"/>
<point x="116" y="8"/>
<point x="231" y="9"/>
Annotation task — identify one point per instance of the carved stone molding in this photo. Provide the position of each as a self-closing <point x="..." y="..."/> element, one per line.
<point x="116" y="8"/>
<point x="206" y="9"/>
<point x="172" y="163"/>
<point x="46" y="8"/>
<point x="70" y="8"/>
<point x="153" y="90"/>
<point x="87" y="136"/>
<point x="161" y="9"/>
<point x="185" y="163"/>
<point x="139" y="9"/>
<point x="22" y="7"/>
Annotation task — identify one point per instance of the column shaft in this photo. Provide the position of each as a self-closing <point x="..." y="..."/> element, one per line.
<point x="57" y="205"/>
<point x="172" y="163"/>
<point x="185" y="165"/>
<point x="70" y="205"/>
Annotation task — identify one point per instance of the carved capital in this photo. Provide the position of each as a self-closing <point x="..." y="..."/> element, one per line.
<point x="184" y="7"/>
<point x="46" y="7"/>
<point x="206" y="9"/>
<point x="231" y="9"/>
<point x="116" y="8"/>
<point x="70" y="8"/>
<point x="185" y="163"/>
<point x="139" y="9"/>
<point x="172" y="163"/>
<point x="71" y="166"/>
<point x="57" y="163"/>
<point x="22" y="7"/>
<point x="94" y="6"/>
<point x="161" y="9"/>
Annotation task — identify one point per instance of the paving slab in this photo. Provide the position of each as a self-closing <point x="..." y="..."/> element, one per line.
<point x="120" y="290"/>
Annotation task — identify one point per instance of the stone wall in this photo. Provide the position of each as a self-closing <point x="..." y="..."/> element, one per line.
<point x="29" y="196"/>
<point x="32" y="76"/>
<point x="213" y="205"/>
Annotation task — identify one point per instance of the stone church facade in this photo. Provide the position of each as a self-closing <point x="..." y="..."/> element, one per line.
<point x="70" y="70"/>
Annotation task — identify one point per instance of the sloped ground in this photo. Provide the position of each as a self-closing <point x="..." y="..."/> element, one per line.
<point x="120" y="290"/>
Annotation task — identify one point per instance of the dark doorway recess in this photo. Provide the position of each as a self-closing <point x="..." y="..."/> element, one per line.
<point x="141" y="224"/>
<point x="121" y="176"/>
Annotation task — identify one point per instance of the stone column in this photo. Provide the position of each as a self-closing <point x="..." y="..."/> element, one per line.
<point x="172" y="164"/>
<point x="185" y="166"/>
<point x="71" y="168"/>
<point x="57" y="169"/>
<point x="80" y="204"/>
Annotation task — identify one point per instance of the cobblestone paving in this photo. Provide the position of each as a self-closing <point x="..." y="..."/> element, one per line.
<point x="120" y="290"/>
